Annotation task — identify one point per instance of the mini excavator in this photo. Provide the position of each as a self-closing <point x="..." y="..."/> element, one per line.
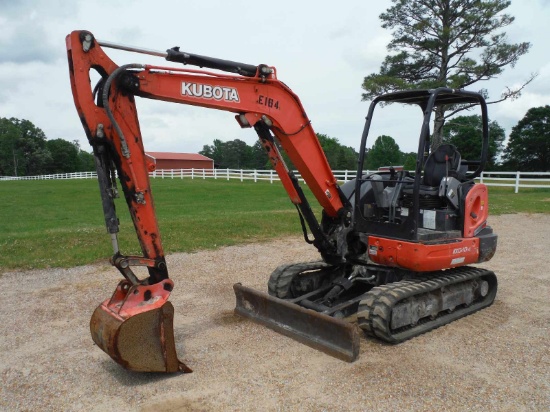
<point x="396" y="247"/>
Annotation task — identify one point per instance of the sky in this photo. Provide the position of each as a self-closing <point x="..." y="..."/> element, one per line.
<point x="322" y="50"/>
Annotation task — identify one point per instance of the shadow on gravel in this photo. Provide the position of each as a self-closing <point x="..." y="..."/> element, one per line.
<point x="130" y="378"/>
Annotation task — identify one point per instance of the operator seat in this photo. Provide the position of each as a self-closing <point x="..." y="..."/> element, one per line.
<point x="443" y="162"/>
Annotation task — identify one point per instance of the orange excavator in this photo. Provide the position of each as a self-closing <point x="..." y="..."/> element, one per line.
<point x="395" y="246"/>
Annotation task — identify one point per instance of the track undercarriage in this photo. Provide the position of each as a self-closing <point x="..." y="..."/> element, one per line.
<point x="402" y="310"/>
<point x="389" y="304"/>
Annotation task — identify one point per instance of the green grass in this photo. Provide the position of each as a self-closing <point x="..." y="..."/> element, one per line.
<point x="59" y="223"/>
<point x="503" y="200"/>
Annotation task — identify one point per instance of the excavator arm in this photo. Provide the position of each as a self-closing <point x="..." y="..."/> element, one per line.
<point x="260" y="101"/>
<point x="135" y="326"/>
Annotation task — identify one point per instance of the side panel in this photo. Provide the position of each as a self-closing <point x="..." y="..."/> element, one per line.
<point x="421" y="257"/>
<point x="476" y="210"/>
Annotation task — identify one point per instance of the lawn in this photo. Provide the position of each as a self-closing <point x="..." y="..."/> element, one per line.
<point x="59" y="223"/>
<point x="503" y="200"/>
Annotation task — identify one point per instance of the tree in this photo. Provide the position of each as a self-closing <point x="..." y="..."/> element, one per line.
<point x="237" y="154"/>
<point x="529" y="146"/>
<point x="339" y="157"/>
<point x="347" y="159"/>
<point x="384" y="152"/>
<point x="214" y="151"/>
<point x="409" y="161"/>
<point x="233" y="154"/>
<point x="64" y="156"/>
<point x="23" y="150"/>
<point x="259" y="157"/>
<point x="8" y="139"/>
<point x="465" y="132"/>
<point x="450" y="43"/>
<point x="86" y="162"/>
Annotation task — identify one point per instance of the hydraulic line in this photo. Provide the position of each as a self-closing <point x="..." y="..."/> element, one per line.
<point x="114" y="75"/>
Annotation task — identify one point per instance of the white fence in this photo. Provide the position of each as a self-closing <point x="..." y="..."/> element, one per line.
<point x="240" y="174"/>
<point x="75" y="175"/>
<point x="516" y="180"/>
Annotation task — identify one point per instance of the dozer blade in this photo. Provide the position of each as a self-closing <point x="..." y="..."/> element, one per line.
<point x="325" y="333"/>
<point x="136" y="328"/>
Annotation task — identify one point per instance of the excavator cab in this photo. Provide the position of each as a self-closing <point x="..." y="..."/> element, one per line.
<point x="411" y="235"/>
<point x="427" y="203"/>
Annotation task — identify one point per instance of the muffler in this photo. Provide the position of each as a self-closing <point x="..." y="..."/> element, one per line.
<point x="135" y="327"/>
<point x="333" y="336"/>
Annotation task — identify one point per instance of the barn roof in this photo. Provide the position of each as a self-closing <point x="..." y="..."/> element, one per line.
<point x="176" y="156"/>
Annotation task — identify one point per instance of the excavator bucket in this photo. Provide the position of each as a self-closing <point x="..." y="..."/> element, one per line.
<point x="136" y="328"/>
<point x="325" y="333"/>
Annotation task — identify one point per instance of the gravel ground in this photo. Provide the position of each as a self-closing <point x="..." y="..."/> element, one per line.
<point x="495" y="360"/>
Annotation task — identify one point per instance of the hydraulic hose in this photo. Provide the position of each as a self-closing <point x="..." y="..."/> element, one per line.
<point x="115" y="74"/>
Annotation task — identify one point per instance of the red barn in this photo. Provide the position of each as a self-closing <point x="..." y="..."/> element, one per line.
<point x="168" y="160"/>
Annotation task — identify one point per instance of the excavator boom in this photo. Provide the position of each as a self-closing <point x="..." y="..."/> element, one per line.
<point x="135" y="326"/>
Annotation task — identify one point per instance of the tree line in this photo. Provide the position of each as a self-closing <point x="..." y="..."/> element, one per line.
<point x="528" y="148"/>
<point x="454" y="44"/>
<point x="25" y="151"/>
<point x="448" y="43"/>
<point x="236" y="154"/>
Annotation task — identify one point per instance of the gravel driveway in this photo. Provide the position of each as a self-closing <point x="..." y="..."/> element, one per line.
<point x="495" y="360"/>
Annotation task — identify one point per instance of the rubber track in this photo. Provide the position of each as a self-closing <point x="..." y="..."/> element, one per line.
<point x="375" y="310"/>
<point x="281" y="278"/>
